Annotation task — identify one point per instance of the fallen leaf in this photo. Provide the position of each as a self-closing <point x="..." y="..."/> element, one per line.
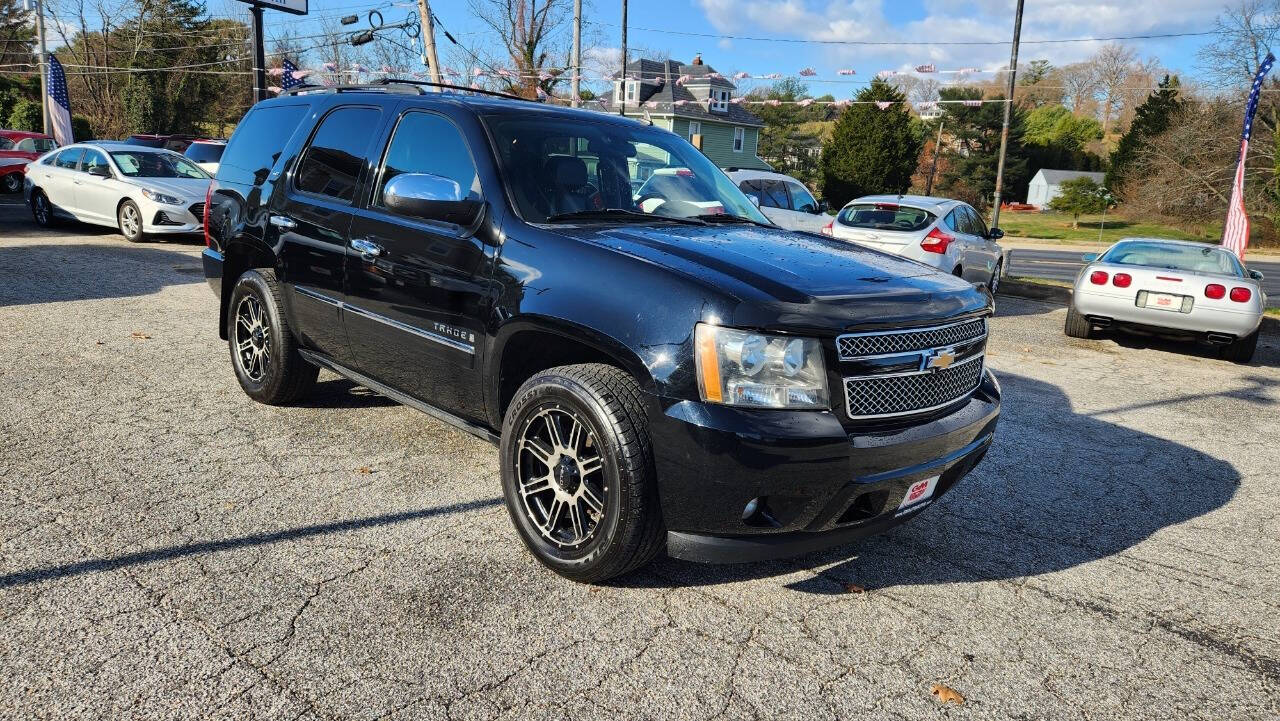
<point x="946" y="694"/>
<point x="98" y="342"/>
<point x="139" y="335"/>
<point x="854" y="588"/>
<point x="364" y="469"/>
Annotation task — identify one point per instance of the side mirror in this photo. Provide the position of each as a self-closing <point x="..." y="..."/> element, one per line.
<point x="755" y="199"/>
<point x="1089" y="257"/>
<point x="995" y="234"/>
<point x="1256" y="275"/>
<point x="823" y="206"/>
<point x="430" y="197"/>
<point x="100" y="171"/>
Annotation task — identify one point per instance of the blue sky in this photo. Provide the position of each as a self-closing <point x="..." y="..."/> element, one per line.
<point x="916" y="21"/>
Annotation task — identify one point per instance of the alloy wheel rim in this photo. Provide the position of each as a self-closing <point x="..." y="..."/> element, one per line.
<point x="42" y="209"/>
<point x="253" y="339"/>
<point x="129" y="219"/>
<point x="11" y="182"/>
<point x="995" y="280"/>
<point x="561" y="477"/>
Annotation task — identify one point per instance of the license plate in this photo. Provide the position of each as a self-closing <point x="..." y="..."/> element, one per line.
<point x="1164" y="301"/>
<point x="918" y="495"/>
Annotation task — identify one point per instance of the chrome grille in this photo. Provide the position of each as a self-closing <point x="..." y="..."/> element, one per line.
<point x="861" y="345"/>
<point x="903" y="393"/>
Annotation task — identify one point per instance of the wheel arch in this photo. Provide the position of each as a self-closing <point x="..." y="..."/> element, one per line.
<point x="238" y="258"/>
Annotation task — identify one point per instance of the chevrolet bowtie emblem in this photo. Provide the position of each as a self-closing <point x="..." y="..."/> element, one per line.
<point x="939" y="360"/>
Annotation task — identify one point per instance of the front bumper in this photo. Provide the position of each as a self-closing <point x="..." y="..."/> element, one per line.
<point x="1122" y="310"/>
<point x="819" y="484"/>
<point x="163" y="219"/>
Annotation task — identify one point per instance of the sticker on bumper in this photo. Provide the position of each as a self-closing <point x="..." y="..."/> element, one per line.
<point x="919" y="495"/>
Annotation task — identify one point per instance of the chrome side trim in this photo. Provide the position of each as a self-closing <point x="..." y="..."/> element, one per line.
<point x="874" y="376"/>
<point x="426" y="334"/>
<point x="444" y="416"/>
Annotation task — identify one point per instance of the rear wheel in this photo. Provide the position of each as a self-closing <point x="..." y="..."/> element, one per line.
<point x="1240" y="350"/>
<point x="577" y="472"/>
<point x="130" y="221"/>
<point x="263" y="352"/>
<point x="1077" y="326"/>
<point x="41" y="209"/>
<point x="11" y="183"/>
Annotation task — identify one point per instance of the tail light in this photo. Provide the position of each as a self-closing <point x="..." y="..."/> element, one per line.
<point x="1213" y="291"/>
<point x="827" y="229"/>
<point x="1098" y="277"/>
<point x="208" y="199"/>
<point x="1121" y="280"/>
<point x="1241" y="295"/>
<point x="936" y="241"/>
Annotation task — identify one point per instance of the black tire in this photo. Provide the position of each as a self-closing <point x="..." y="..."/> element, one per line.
<point x="994" y="284"/>
<point x="276" y="374"/>
<point x="957" y="272"/>
<point x="1241" y="350"/>
<point x="11" y="183"/>
<point x="1077" y="326"/>
<point x="628" y="532"/>
<point x="129" y="221"/>
<point x="42" y="209"/>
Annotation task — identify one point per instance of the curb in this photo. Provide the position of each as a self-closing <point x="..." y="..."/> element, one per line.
<point x="1052" y="293"/>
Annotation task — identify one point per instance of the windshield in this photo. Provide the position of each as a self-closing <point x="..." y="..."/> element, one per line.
<point x="564" y="167"/>
<point x="205" y="152"/>
<point x="884" y="216"/>
<point x="146" y="142"/>
<point x="144" y="164"/>
<point x="1209" y="259"/>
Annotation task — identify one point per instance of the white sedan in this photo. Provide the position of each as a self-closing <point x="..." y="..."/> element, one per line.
<point x="944" y="233"/>
<point x="1170" y="288"/>
<point x="142" y="191"/>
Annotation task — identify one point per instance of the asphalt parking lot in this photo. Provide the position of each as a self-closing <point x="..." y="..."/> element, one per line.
<point x="171" y="549"/>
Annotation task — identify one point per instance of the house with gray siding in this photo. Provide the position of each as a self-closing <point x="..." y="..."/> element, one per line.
<point x="695" y="102"/>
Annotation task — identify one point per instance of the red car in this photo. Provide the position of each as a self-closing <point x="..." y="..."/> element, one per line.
<point x="17" y="148"/>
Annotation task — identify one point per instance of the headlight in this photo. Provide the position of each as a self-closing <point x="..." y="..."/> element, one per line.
<point x="160" y="197"/>
<point x="741" y="368"/>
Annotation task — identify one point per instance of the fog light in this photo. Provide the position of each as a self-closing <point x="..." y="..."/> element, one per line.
<point x="753" y="505"/>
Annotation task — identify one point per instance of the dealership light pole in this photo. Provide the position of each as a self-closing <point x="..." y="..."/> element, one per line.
<point x="1008" y="110"/>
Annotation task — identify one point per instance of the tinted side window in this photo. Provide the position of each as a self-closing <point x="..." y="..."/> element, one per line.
<point x="749" y="187"/>
<point x="429" y="143"/>
<point x="258" y="142"/>
<point x="952" y="221"/>
<point x="801" y="200"/>
<point x="69" y="158"/>
<point x="92" y="159"/>
<point x="978" y="225"/>
<point x="773" y="194"/>
<point x="331" y="164"/>
<point x="204" y="152"/>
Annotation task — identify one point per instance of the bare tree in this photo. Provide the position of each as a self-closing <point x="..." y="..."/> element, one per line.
<point x="917" y="88"/>
<point x="1080" y="87"/>
<point x="1244" y="32"/>
<point x="1112" y="66"/>
<point x="532" y="34"/>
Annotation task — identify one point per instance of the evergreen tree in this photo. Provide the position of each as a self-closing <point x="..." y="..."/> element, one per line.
<point x="975" y="151"/>
<point x="871" y="150"/>
<point x="1150" y="119"/>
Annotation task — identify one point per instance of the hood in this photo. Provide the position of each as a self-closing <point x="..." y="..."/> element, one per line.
<point x="795" y="279"/>
<point x="186" y="188"/>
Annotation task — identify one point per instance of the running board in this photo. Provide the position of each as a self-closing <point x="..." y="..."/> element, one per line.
<point x="474" y="429"/>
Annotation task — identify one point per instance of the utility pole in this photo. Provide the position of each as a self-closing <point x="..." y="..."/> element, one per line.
<point x="1008" y="110"/>
<point x="575" y="100"/>
<point x="41" y="55"/>
<point x="429" y="40"/>
<point x="622" y="102"/>
<point x="933" y="167"/>
<point x="259" y="56"/>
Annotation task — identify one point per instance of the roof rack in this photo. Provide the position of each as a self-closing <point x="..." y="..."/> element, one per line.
<point x="396" y="85"/>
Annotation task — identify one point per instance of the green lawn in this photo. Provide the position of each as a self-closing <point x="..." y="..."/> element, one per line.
<point x="1056" y="226"/>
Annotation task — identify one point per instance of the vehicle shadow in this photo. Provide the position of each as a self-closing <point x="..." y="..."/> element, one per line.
<point x="1058" y="489"/>
<point x="1267" y="354"/>
<point x="342" y="393"/>
<point x="32" y="274"/>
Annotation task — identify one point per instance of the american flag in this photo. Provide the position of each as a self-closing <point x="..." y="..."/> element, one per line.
<point x="1235" y="235"/>
<point x="59" y="104"/>
<point x="287" y="78"/>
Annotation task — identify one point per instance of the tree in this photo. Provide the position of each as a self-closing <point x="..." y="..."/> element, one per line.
<point x="531" y="32"/>
<point x="1080" y="196"/>
<point x="1035" y="72"/>
<point x="1151" y="119"/>
<point x="975" y="148"/>
<point x="26" y="115"/>
<point x="17" y="33"/>
<point x="1112" y="67"/>
<point x="1055" y="125"/>
<point x="870" y="150"/>
<point x="1243" y="33"/>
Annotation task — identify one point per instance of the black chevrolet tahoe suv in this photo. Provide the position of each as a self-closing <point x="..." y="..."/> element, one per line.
<point x="667" y="370"/>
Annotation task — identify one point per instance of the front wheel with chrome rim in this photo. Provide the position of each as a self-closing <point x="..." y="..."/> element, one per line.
<point x="264" y="353"/>
<point x="130" y="221"/>
<point x="577" y="472"/>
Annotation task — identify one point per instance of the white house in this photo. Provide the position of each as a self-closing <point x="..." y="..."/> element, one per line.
<point x="1047" y="184"/>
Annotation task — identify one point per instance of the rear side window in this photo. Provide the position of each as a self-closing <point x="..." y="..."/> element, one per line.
<point x="974" y="224"/>
<point x="69" y="159"/>
<point x="331" y="164"/>
<point x="885" y="216"/>
<point x="428" y="143"/>
<point x="258" y="142"/>
<point x="773" y="194"/>
<point x="205" y="152"/>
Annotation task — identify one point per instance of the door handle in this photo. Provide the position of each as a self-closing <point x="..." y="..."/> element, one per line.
<point x="283" y="223"/>
<point x="367" y="248"/>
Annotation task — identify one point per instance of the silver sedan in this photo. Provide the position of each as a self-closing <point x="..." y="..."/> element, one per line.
<point x="1170" y="288"/>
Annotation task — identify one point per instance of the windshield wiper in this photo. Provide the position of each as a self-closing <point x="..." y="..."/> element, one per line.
<point x="620" y="214"/>
<point x="730" y="218"/>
